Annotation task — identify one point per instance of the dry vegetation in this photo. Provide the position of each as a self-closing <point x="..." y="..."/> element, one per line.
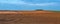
<point x="31" y="17"/>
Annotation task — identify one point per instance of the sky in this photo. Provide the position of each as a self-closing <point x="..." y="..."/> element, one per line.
<point x="29" y="4"/>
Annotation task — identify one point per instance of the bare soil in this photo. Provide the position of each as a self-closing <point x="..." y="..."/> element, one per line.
<point x="32" y="17"/>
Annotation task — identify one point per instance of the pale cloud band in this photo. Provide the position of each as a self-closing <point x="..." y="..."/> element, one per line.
<point x="44" y="4"/>
<point x="25" y="3"/>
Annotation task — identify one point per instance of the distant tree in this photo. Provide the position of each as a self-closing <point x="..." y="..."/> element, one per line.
<point x="39" y="9"/>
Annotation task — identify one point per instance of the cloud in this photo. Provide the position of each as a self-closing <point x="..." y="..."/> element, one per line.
<point x="20" y="2"/>
<point x="44" y="4"/>
<point x="13" y="2"/>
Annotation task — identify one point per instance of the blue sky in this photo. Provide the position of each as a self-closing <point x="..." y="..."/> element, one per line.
<point x="29" y="4"/>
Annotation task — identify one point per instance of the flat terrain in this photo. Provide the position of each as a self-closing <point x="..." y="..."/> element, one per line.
<point x="29" y="17"/>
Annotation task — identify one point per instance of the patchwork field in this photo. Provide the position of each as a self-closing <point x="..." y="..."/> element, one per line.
<point x="29" y="17"/>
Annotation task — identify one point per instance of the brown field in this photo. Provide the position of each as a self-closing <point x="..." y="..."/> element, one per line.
<point x="29" y="17"/>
